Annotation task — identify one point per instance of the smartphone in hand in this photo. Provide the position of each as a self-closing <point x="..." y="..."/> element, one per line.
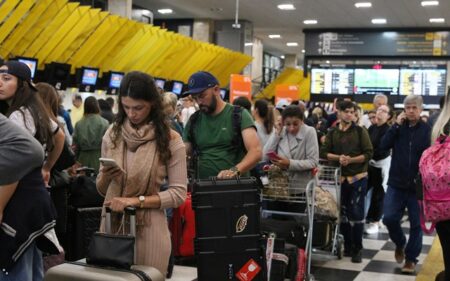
<point x="273" y="155"/>
<point x="108" y="162"/>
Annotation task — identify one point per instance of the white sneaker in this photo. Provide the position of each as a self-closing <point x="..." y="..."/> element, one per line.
<point x="371" y="228"/>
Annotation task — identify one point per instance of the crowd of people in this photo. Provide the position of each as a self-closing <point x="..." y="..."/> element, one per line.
<point x="155" y="139"/>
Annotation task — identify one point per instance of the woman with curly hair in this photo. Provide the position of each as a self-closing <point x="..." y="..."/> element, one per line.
<point x="147" y="152"/>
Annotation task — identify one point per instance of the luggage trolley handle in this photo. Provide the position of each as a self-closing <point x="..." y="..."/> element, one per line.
<point x="129" y="211"/>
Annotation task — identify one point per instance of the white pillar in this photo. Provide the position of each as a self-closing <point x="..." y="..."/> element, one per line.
<point x="290" y="61"/>
<point x="120" y="7"/>
<point x="203" y="30"/>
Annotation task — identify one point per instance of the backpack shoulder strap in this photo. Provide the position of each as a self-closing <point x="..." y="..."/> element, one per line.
<point x="193" y="122"/>
<point x="236" y="123"/>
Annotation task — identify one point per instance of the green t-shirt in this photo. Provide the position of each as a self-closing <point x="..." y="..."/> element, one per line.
<point x="214" y="135"/>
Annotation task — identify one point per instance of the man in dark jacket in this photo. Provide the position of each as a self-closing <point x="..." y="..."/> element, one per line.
<point x="349" y="146"/>
<point x="407" y="138"/>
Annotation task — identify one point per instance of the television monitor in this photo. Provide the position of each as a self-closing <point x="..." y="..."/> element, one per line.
<point x="159" y="82"/>
<point x="30" y="62"/>
<point x="332" y="81"/>
<point x="376" y="80"/>
<point x="57" y="74"/>
<point x="423" y="81"/>
<point x="114" y="79"/>
<point x="177" y="87"/>
<point x="89" y="76"/>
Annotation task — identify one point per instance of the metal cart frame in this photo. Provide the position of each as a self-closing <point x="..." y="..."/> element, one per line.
<point x="303" y="196"/>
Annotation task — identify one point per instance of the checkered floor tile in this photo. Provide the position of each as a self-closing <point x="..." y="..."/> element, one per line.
<point x="378" y="261"/>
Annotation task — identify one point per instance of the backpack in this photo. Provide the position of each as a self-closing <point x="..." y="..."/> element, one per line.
<point x="434" y="167"/>
<point x="236" y="142"/>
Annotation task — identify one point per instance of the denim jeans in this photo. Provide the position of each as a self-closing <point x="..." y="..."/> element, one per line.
<point x="29" y="267"/>
<point x="395" y="202"/>
<point x="352" y="213"/>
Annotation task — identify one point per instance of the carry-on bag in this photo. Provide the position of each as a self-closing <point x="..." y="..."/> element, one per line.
<point x="100" y="262"/>
<point x="227" y="227"/>
<point x="182" y="228"/>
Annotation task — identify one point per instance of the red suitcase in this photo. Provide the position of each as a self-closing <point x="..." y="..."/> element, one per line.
<point x="182" y="227"/>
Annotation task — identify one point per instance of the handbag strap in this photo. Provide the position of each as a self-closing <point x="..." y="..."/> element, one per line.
<point x="422" y="219"/>
<point x="139" y="273"/>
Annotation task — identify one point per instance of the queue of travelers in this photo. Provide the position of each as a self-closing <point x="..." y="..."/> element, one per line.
<point x="152" y="135"/>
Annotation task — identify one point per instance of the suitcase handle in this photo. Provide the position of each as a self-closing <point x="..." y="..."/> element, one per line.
<point x="129" y="211"/>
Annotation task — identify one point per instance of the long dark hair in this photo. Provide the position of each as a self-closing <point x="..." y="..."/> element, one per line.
<point x="265" y="110"/>
<point x="26" y="97"/>
<point x="141" y="86"/>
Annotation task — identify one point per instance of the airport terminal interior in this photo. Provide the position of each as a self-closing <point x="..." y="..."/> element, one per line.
<point x="283" y="51"/>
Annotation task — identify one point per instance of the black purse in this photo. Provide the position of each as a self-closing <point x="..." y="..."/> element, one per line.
<point x="113" y="250"/>
<point x="66" y="159"/>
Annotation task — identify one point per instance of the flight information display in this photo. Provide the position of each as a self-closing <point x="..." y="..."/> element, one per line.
<point x="331" y="81"/>
<point x="374" y="81"/>
<point x="425" y="82"/>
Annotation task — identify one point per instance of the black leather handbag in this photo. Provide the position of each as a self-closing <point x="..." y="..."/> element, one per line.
<point x="113" y="250"/>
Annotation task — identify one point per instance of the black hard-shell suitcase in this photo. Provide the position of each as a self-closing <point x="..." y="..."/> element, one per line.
<point x="83" y="223"/>
<point x="227" y="222"/>
<point x="78" y="271"/>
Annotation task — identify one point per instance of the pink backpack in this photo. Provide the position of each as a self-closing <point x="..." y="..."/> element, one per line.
<point x="434" y="168"/>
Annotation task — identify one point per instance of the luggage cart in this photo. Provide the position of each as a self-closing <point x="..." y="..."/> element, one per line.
<point x="329" y="178"/>
<point x="297" y="200"/>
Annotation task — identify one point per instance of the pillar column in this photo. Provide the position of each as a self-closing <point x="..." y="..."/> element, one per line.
<point x="120" y="7"/>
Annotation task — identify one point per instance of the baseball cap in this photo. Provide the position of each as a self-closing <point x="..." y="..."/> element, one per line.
<point x="200" y="81"/>
<point x="20" y="70"/>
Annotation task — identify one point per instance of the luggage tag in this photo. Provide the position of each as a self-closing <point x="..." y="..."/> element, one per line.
<point x="248" y="271"/>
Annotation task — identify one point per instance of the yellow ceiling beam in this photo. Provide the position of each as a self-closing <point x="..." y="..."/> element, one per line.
<point x="116" y="44"/>
<point x="49" y="31"/>
<point x="175" y="65"/>
<point x="17" y="35"/>
<point x="37" y="25"/>
<point x="6" y="8"/>
<point x="87" y="25"/>
<point x="164" y="63"/>
<point x="133" y="50"/>
<point x="62" y="36"/>
<point x="161" y="50"/>
<point x="11" y="22"/>
<point x="97" y="43"/>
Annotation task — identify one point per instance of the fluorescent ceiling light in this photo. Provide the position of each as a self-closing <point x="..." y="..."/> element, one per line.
<point x="310" y="21"/>
<point x="286" y="7"/>
<point x="273" y="36"/>
<point x="363" y="5"/>
<point x="292" y="44"/>
<point x="165" y="11"/>
<point x="378" y="21"/>
<point x="429" y="3"/>
<point x="437" y="20"/>
<point x="248" y="44"/>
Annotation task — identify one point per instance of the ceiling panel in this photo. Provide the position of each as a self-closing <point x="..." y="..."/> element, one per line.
<point x="268" y="19"/>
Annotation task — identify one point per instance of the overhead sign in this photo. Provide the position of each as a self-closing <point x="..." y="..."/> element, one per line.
<point x="289" y="93"/>
<point x="240" y="86"/>
<point x="377" y="43"/>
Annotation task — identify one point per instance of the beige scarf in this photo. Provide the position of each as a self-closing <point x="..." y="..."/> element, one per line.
<point x="141" y="177"/>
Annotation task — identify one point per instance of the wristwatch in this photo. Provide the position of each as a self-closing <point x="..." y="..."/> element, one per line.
<point x="141" y="201"/>
<point x="235" y="170"/>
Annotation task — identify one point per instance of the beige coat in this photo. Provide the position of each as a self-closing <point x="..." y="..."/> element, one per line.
<point x="153" y="237"/>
